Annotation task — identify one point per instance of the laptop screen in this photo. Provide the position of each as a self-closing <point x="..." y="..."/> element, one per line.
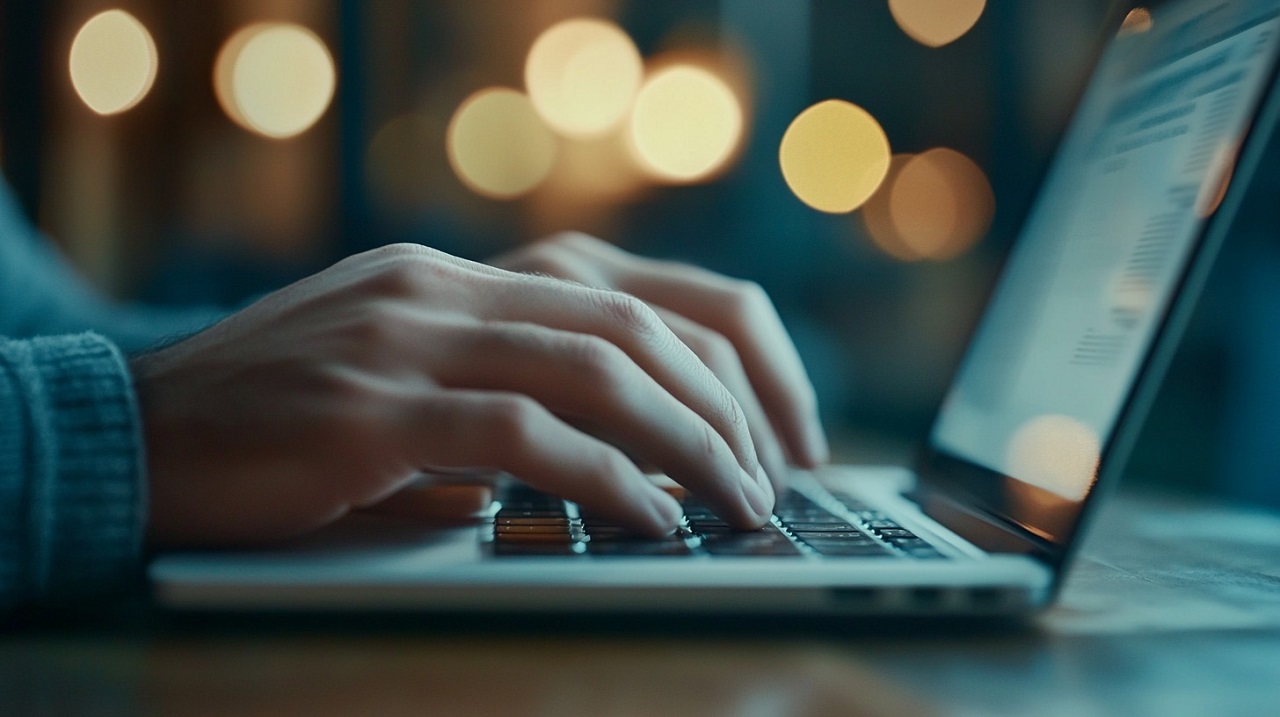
<point x="1146" y="160"/>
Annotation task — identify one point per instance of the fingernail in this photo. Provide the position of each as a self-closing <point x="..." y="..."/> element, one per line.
<point x="666" y="509"/>
<point x="768" y="485"/>
<point x="759" y="494"/>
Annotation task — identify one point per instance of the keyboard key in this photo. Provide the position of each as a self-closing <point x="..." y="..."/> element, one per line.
<point x="704" y="523"/>
<point x="883" y="523"/>
<point x="895" y="533"/>
<point x="526" y="538"/>
<point x="508" y="520"/>
<point x="803" y="513"/>
<point x="632" y="538"/>
<point x="852" y="537"/>
<point x="834" y="525"/>
<point x="508" y="514"/>
<point x="506" y="530"/>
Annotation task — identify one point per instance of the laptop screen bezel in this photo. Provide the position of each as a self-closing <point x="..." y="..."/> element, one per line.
<point x="963" y="494"/>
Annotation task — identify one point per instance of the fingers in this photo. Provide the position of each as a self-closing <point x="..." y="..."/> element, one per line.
<point x="720" y="356"/>
<point x="514" y="433"/>
<point x="632" y="326"/>
<point x="743" y="313"/>
<point x="596" y="385"/>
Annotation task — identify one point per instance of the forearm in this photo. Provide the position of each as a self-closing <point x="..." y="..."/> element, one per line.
<point x="71" y="473"/>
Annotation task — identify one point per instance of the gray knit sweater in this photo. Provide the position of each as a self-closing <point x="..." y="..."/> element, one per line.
<point x="72" y="475"/>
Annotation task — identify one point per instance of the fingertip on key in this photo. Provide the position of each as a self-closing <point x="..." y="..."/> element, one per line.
<point x="758" y="493"/>
<point x="665" y="511"/>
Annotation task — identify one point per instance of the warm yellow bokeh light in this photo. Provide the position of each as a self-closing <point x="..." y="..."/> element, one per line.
<point x="498" y="145"/>
<point x="941" y="204"/>
<point x="1057" y="453"/>
<point x="878" y="219"/>
<point x="275" y="79"/>
<point x="1136" y="22"/>
<point x="583" y="75"/>
<point x="686" y="124"/>
<point x="935" y="23"/>
<point x="834" y="156"/>
<point x="113" y="62"/>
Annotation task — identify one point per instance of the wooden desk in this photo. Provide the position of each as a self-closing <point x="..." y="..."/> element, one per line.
<point x="1174" y="610"/>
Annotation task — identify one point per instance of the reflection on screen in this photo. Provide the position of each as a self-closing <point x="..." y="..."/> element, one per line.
<point x="1146" y="160"/>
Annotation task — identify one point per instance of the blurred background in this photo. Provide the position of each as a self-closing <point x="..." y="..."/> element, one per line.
<point x="205" y="152"/>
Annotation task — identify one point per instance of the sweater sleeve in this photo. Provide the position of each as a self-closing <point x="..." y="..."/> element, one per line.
<point x="72" y="498"/>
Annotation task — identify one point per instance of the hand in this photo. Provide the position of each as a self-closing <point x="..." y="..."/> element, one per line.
<point x="332" y="394"/>
<point x="731" y="325"/>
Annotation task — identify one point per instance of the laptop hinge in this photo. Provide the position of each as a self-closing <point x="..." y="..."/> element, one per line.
<point x="989" y="532"/>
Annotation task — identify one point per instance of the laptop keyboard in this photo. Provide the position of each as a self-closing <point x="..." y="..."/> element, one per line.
<point x="534" y="524"/>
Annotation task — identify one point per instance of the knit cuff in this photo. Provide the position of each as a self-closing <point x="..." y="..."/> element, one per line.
<point x="85" y="496"/>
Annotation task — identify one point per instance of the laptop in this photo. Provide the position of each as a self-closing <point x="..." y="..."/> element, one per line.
<point x="1037" y="423"/>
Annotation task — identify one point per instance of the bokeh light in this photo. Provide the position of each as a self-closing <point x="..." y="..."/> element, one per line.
<point x="113" y="62"/>
<point x="686" y="124"/>
<point x="275" y="79"/>
<point x="942" y="204"/>
<point x="1057" y="453"/>
<point x="877" y="216"/>
<point x="834" y="156"/>
<point x="598" y="171"/>
<point x="935" y="205"/>
<point x="498" y="145"/>
<point x="935" y="23"/>
<point x="1136" y="22"/>
<point x="583" y="75"/>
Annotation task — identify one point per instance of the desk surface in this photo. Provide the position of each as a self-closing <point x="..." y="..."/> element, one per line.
<point x="1174" y="609"/>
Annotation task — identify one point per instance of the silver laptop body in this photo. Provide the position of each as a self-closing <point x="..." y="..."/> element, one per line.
<point x="1037" y="423"/>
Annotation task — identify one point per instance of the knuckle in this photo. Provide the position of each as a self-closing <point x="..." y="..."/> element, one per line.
<point x="375" y="327"/>
<point x="630" y="314"/>
<point x="712" y="347"/>
<point x="709" y="443"/>
<point x="495" y="339"/>
<point x="749" y="297"/>
<point x="732" y="414"/>
<point x="601" y="363"/>
<point x="400" y="250"/>
<point x="574" y="239"/>
<point x="549" y="261"/>
<point x="511" y="420"/>
<point x="399" y="279"/>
